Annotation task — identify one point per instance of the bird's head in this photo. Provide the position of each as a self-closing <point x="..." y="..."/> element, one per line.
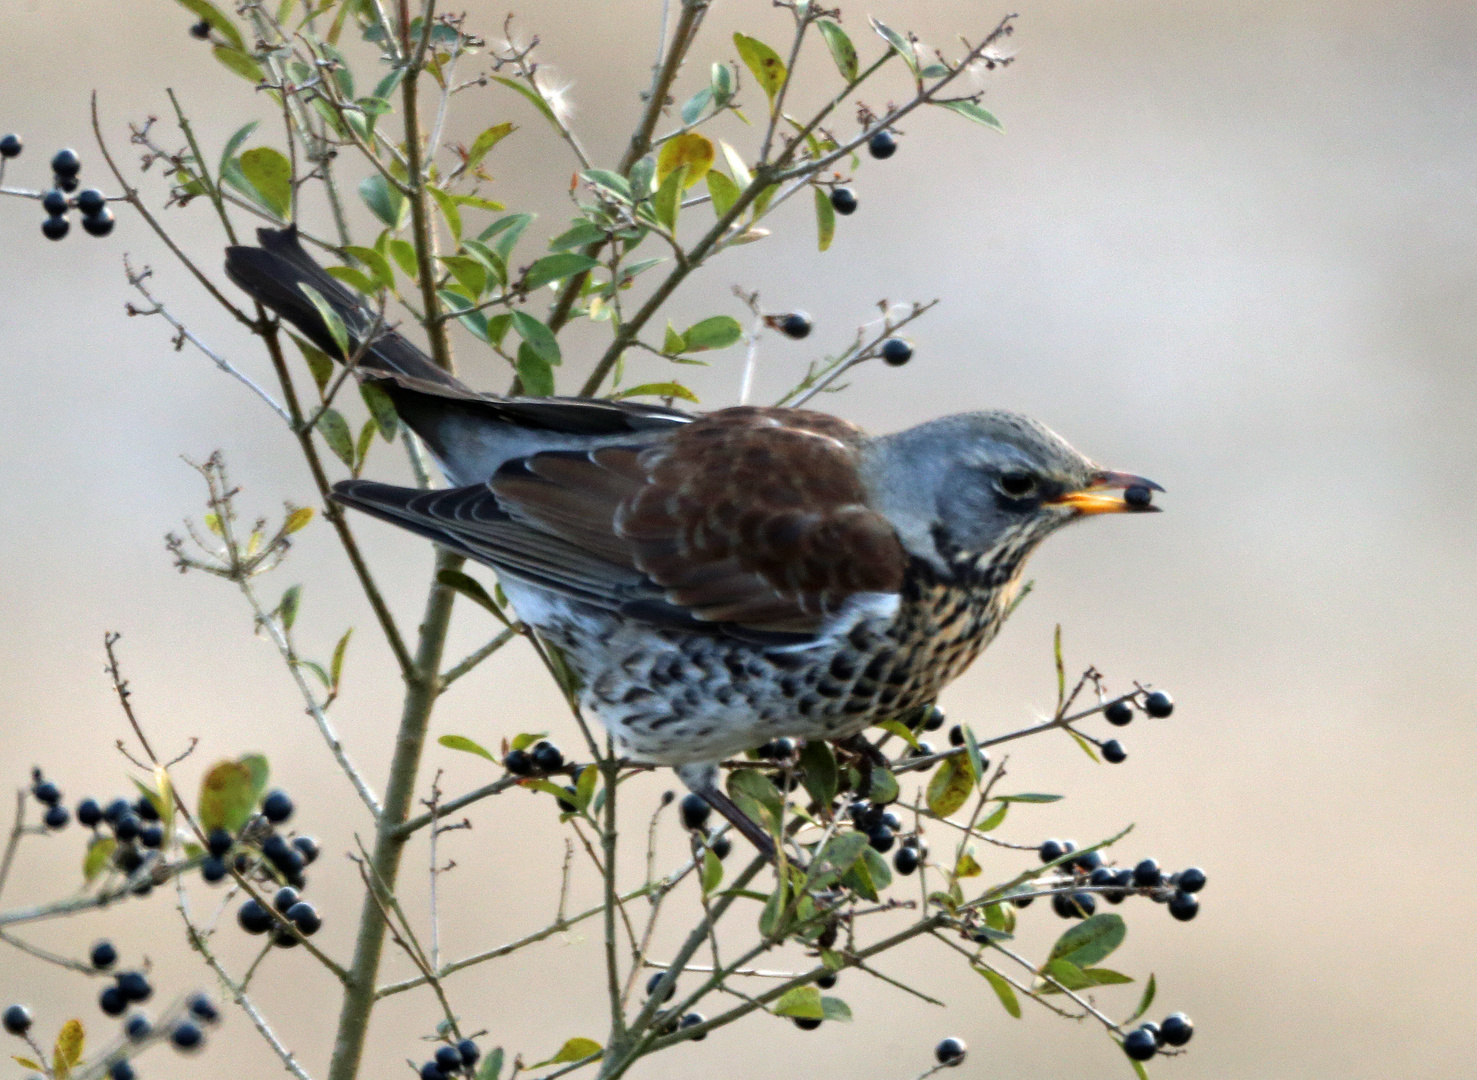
<point x="987" y="487"/>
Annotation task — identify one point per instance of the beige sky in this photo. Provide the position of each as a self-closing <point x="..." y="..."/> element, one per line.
<point x="1226" y="245"/>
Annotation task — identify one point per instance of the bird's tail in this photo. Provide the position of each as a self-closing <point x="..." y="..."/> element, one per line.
<point x="274" y="275"/>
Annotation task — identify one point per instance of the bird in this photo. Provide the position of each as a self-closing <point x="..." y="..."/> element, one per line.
<point x="716" y="581"/>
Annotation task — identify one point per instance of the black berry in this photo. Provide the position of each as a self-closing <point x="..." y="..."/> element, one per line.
<point x="54" y="228"/>
<point x="44" y="790"/>
<point x="1077" y="905"/>
<point x="826" y="981"/>
<point x="1184" y="906"/>
<point x="201" y="30"/>
<point x="89" y="813"/>
<point x="896" y="351"/>
<point x="1177" y="1029"/>
<point x="115" y="810"/>
<point x="651" y="985"/>
<point x="277" y="807"/>
<point x="128" y="858"/>
<point x="1119" y="713"/>
<point x="284" y="938"/>
<point x="1113" y="752"/>
<point x="138" y="1028"/>
<point x="219" y="842"/>
<point x="892" y="821"/>
<point x="1147" y="874"/>
<point x="103" y="955"/>
<point x="1140" y="1045"/>
<point x="127" y="826"/>
<point x="1158" y="704"/>
<point x="202" y="1008"/>
<point x="518" y="763"/>
<point x="469" y="1052"/>
<point x="950" y="1051"/>
<point x="122" y="1069"/>
<point x="11" y="146"/>
<point x="1088" y="861"/>
<point x="186" y="1036"/>
<point x="1022" y="901"/>
<point x="722" y="846"/>
<point x="448" y="1060"/>
<point x="212" y="869"/>
<point x="1153" y="1029"/>
<point x="695" y="811"/>
<point x="693" y="1019"/>
<point x="431" y="1071"/>
<point x="934" y="718"/>
<point x="254" y="918"/>
<point x="882" y="145"/>
<point x="66" y="163"/>
<point x="565" y="806"/>
<point x="1137" y="496"/>
<point x="843" y="200"/>
<point x="134" y="986"/>
<point x="151" y="836"/>
<point x="305" y="917"/>
<point x="56" y="817"/>
<point x="112" y="1001"/>
<point x="66" y="183"/>
<point x="17" y="1019"/>
<point x="1051" y="850"/>
<point x="807" y="1023"/>
<point x="795" y="325"/>
<point x="881" y="838"/>
<point x="1191" y="880"/>
<point x="546" y="757"/>
<point x="956" y="735"/>
<point x="306" y="847"/>
<point x="145" y="809"/>
<point x="777" y="750"/>
<point x="285" y="898"/>
<point x="923" y="749"/>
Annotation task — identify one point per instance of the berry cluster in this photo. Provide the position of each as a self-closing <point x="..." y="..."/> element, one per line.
<point x="457" y="1060"/>
<point x="543" y="758"/>
<point x="1144" y="1041"/>
<point x="97" y="219"/>
<point x="695" y="813"/>
<point x="1086" y="877"/>
<point x="136" y="828"/>
<point x="280" y="860"/>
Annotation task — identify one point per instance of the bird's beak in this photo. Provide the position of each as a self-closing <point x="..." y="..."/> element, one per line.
<point x="1101" y="495"/>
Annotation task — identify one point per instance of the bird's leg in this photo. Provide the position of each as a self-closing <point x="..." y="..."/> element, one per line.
<point x="701" y="778"/>
<point x="868" y="757"/>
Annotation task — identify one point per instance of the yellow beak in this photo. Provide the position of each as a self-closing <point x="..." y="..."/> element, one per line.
<point x="1112" y="493"/>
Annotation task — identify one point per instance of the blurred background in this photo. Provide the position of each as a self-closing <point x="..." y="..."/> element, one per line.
<point x="1226" y="245"/>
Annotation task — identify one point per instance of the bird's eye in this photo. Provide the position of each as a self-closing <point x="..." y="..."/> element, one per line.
<point x="1018" y="485"/>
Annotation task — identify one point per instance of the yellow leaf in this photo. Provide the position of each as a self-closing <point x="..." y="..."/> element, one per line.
<point x="693" y="150"/>
<point x="69" y="1043"/>
<point x="764" y="62"/>
<point x="298" y="519"/>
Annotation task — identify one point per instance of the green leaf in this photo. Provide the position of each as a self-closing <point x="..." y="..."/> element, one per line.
<point x="950" y="786"/>
<point x="404" y="255"/>
<point x="693" y="150"/>
<point x="975" y="112"/>
<point x="316" y="668"/>
<point x="336" y="328"/>
<point x="447" y="205"/>
<point x="270" y="173"/>
<point x="712" y="871"/>
<point x="556" y="268"/>
<point x="673" y="343"/>
<point x="524" y="740"/>
<point x="1061" y="669"/>
<point x="335" y="431"/>
<point x="234" y="143"/>
<point x="466" y="745"/>
<point x="534" y="98"/>
<point x="204" y="9"/>
<point x="1083" y="744"/>
<point x="967" y="867"/>
<point x="833" y="1008"/>
<point x="668" y="199"/>
<point x="901" y="730"/>
<point x="825" y="219"/>
<point x="800" y="1001"/>
<point x="1139" y="1070"/>
<point x="772" y="918"/>
<point x="898" y="43"/>
<point x="99" y="852"/>
<point x="1003" y="990"/>
<point x="715" y="332"/>
<point x="485" y="142"/>
<point x="491" y="1065"/>
<point x="537" y="336"/>
<point x="384" y="201"/>
<point x="641" y="176"/>
<point x="721" y="84"/>
<point x="877" y="868"/>
<point x="819" y="765"/>
<point x="838" y="856"/>
<point x="239" y="62"/>
<point x="575" y="1049"/>
<point x="336" y="666"/>
<point x="584" y="787"/>
<point x="657" y="389"/>
<point x="757" y="796"/>
<point x="1150" y="989"/>
<point x="612" y="182"/>
<point x="996" y="818"/>
<point x="469" y="273"/>
<point x="842" y="50"/>
<point x="287" y="606"/>
<point x="764" y="62"/>
<point x="472" y="589"/>
<point x="694" y="106"/>
<point x="355" y="278"/>
<point x="227" y="797"/>
<point x="884" y="786"/>
<point x="976" y="759"/>
<point x="580" y="234"/>
<point x="1029" y="797"/>
<point x="534" y="372"/>
<point x="381" y="408"/>
<point x="1090" y="940"/>
<point x="723" y="191"/>
<point x="477" y="202"/>
<point x="378" y="265"/>
<point x="736" y="165"/>
<point x="256" y="766"/>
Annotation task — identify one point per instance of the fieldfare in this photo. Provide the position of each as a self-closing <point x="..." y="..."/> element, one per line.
<point x="722" y="580"/>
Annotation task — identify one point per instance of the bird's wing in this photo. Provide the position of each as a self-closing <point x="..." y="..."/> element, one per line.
<point x="746" y="520"/>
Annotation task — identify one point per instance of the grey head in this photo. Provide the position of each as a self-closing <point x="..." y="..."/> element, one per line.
<point x="982" y="486"/>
